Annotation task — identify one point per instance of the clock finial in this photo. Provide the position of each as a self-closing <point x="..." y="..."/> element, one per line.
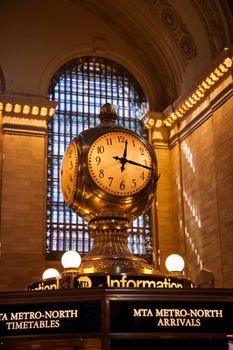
<point x="107" y="114"/>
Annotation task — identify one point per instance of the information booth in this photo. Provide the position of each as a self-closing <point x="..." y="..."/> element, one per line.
<point x="113" y="299"/>
<point x="117" y="318"/>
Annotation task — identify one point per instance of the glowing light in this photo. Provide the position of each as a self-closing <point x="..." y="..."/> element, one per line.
<point x="35" y="110"/>
<point x="71" y="259"/>
<point x="17" y="108"/>
<point x="174" y="263"/>
<point x="228" y="62"/>
<point x="43" y="111"/>
<point x="50" y="273"/>
<point x="8" y="107"/>
<point x="51" y="112"/>
<point x="26" y="109"/>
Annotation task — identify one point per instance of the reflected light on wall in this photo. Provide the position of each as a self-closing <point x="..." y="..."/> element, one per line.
<point x="193" y="208"/>
<point x="193" y="248"/>
<point x="188" y="155"/>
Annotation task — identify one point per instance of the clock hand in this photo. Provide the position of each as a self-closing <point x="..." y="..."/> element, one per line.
<point x="125" y="150"/>
<point x="138" y="164"/>
<point x="124" y="160"/>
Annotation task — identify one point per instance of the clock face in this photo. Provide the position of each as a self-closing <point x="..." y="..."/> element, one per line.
<point x="120" y="163"/>
<point x="69" y="172"/>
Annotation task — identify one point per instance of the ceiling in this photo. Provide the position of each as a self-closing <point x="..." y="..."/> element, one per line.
<point x="177" y="40"/>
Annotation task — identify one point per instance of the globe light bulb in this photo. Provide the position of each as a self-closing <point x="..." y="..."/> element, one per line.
<point x="50" y="273"/>
<point x="71" y="259"/>
<point x="174" y="263"/>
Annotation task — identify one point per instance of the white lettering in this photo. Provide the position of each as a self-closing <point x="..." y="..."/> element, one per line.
<point x="142" y="313"/>
<point x="141" y="283"/>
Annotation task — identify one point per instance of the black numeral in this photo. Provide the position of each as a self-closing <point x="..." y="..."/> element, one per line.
<point x="110" y="180"/>
<point x="70" y="153"/>
<point x="68" y="188"/>
<point x="134" y="184"/>
<point x="71" y="165"/>
<point x="142" y="151"/>
<point x="122" y="185"/>
<point x="98" y="160"/>
<point x="101" y="173"/>
<point x="109" y="141"/>
<point x="142" y="176"/>
<point x="100" y="149"/>
<point x="121" y="138"/>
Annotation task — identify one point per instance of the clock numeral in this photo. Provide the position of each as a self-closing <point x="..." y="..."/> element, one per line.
<point x="110" y="180"/>
<point x="70" y="153"/>
<point x="71" y="179"/>
<point x="109" y="141"/>
<point x="134" y="184"/>
<point x="71" y="165"/>
<point x="122" y="185"/>
<point x="100" y="149"/>
<point x="98" y="160"/>
<point x="121" y="138"/>
<point x="101" y="173"/>
<point x="142" y="151"/>
<point x="68" y="188"/>
<point x="142" y="176"/>
<point x="133" y="143"/>
<point x="145" y="161"/>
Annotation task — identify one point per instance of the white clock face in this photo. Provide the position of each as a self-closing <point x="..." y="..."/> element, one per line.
<point x="120" y="163"/>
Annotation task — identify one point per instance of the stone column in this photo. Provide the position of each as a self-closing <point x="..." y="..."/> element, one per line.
<point x="23" y="189"/>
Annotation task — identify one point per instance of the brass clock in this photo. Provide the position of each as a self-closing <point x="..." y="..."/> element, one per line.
<point x="120" y="163"/>
<point x="109" y="177"/>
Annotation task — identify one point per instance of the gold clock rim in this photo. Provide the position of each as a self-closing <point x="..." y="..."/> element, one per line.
<point x="103" y="190"/>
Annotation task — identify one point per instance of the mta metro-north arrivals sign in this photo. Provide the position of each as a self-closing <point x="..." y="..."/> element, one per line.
<point x="170" y="316"/>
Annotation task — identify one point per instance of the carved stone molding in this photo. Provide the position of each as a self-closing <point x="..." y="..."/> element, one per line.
<point x="175" y="28"/>
<point x="208" y="13"/>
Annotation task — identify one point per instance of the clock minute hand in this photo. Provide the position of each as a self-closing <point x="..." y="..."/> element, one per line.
<point x="125" y="150"/>
<point x="138" y="164"/>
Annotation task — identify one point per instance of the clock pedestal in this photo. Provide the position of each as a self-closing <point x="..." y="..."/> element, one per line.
<point x="110" y="253"/>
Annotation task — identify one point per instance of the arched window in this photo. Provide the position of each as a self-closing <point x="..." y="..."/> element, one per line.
<point x="81" y="87"/>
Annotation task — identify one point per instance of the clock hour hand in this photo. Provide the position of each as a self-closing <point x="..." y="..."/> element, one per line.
<point x="122" y="160"/>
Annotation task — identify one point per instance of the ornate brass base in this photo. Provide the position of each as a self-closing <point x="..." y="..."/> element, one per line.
<point x="110" y="253"/>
